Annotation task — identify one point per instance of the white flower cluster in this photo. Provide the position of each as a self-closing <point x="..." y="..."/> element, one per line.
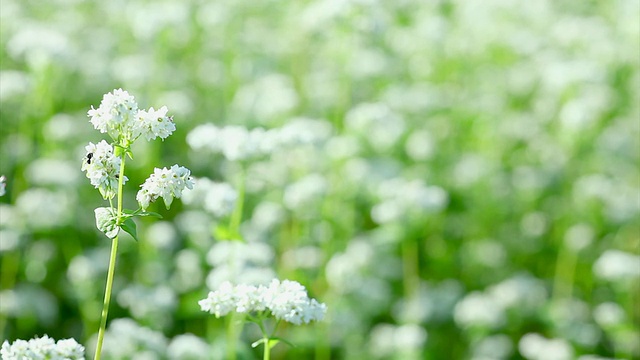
<point x="41" y="349"/>
<point x="286" y="300"/>
<point x="164" y="183"/>
<point x="102" y="167"/>
<point x="3" y="185"/>
<point x="239" y="143"/>
<point x="400" y="196"/>
<point x="119" y="116"/>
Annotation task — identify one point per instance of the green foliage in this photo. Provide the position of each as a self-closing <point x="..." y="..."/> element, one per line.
<point x="524" y="114"/>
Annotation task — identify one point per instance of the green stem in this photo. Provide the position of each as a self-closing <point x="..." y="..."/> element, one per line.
<point x="112" y="268"/>
<point x="265" y="339"/>
<point x="236" y="216"/>
<point x="232" y="336"/>
<point x="267" y="349"/>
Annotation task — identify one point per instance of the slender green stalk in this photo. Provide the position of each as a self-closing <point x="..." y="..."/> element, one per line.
<point x="267" y="349"/>
<point x="265" y="341"/>
<point x="236" y="216"/>
<point x="232" y="337"/>
<point x="112" y="268"/>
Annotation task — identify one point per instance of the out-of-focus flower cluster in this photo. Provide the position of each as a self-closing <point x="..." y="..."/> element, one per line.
<point x="239" y="143"/>
<point x="44" y="348"/>
<point x="286" y="300"/>
<point x="3" y="185"/>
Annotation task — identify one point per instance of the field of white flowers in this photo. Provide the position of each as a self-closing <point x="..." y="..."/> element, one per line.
<point x="449" y="179"/>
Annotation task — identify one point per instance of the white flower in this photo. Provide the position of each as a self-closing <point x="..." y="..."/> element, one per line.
<point x="219" y="302"/>
<point x="153" y="123"/>
<point x="115" y="114"/>
<point x="3" y="185"/>
<point x="42" y="348"/>
<point x="286" y="300"/>
<point x="102" y="168"/>
<point x="533" y="346"/>
<point x="616" y="265"/>
<point x="164" y="183"/>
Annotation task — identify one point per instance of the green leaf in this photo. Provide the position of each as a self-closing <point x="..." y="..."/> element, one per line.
<point x="150" y="213"/>
<point x="130" y="213"/>
<point x="273" y="342"/>
<point x="278" y="339"/>
<point x="130" y="227"/>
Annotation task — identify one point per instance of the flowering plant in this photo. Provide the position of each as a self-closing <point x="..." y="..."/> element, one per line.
<point x="41" y="349"/>
<point x="283" y="300"/>
<point x="104" y="163"/>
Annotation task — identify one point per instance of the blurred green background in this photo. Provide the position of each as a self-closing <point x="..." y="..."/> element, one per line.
<point x="474" y="192"/>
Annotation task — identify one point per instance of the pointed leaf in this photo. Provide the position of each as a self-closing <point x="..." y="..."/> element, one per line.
<point x="130" y="227"/>
<point x="273" y="342"/>
<point x="150" y="213"/>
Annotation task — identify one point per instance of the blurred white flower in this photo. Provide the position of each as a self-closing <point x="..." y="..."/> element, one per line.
<point x="44" y="348"/>
<point x="495" y="347"/>
<point x="286" y="300"/>
<point x="188" y="347"/>
<point x="304" y="193"/>
<point x="102" y="167"/>
<point x="400" y="197"/>
<point x="420" y="145"/>
<point x="3" y="185"/>
<point x="240" y="143"/>
<point x="52" y="172"/>
<point x="403" y="340"/>
<point x="535" y="347"/>
<point x="608" y="314"/>
<point x="521" y="291"/>
<point x="579" y="237"/>
<point x="376" y="123"/>
<point x="616" y="265"/>
<point x="14" y="84"/>
<point x="125" y="339"/>
<point x="147" y="302"/>
<point x="165" y="183"/>
<point x="239" y="262"/>
<point x="217" y="198"/>
<point x="42" y="208"/>
<point x="479" y="309"/>
<point x="265" y="99"/>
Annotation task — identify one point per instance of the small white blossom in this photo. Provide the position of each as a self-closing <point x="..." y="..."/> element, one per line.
<point x="102" y="167"/>
<point x="153" y="123"/>
<point x="220" y="302"/>
<point x="3" y="185"/>
<point x="41" y="349"/>
<point x="286" y="300"/>
<point x="164" y="183"/>
<point x="116" y="113"/>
